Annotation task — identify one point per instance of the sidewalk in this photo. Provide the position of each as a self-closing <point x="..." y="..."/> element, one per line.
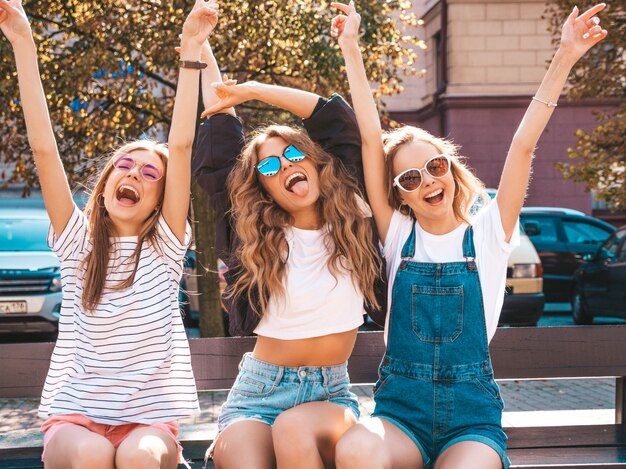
<point x="528" y="403"/>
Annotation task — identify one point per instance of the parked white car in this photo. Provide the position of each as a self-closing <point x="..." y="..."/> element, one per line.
<point x="524" y="299"/>
<point x="30" y="281"/>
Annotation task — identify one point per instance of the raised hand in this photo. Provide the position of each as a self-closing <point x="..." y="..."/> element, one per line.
<point x="581" y="33"/>
<point x="205" y="50"/>
<point x="13" y="21"/>
<point x="346" y="26"/>
<point x="201" y="21"/>
<point x="230" y="95"/>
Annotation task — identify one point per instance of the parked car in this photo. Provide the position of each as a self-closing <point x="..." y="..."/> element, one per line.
<point x="30" y="281"/>
<point x="600" y="284"/>
<point x="188" y="292"/>
<point x="562" y="238"/>
<point x="524" y="298"/>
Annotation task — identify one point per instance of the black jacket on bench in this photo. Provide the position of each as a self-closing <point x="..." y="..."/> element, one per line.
<point x="221" y="138"/>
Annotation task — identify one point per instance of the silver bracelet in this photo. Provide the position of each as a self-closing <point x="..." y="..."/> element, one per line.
<point x="547" y="103"/>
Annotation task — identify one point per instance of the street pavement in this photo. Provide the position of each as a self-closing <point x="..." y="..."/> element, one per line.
<point x="527" y="403"/>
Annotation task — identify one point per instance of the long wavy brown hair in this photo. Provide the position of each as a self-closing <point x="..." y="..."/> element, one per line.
<point x="101" y="228"/>
<point x="260" y="223"/>
<point x="468" y="188"/>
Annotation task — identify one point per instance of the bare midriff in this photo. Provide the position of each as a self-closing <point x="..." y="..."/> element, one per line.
<point x="327" y="350"/>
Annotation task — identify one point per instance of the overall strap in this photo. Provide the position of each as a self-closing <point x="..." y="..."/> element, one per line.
<point x="408" y="250"/>
<point x="468" y="244"/>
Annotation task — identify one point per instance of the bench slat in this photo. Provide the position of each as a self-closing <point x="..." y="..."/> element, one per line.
<point x="560" y="352"/>
<point x="23" y="368"/>
<point x="561" y="437"/>
<point x="568" y="458"/>
<point x="20" y="458"/>
<point x="215" y="361"/>
<point x="518" y="353"/>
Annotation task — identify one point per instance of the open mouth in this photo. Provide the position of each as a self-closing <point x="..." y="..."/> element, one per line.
<point x="297" y="183"/>
<point x="434" y="197"/>
<point x="127" y="195"/>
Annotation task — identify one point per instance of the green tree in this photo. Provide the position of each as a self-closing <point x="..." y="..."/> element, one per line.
<point x="109" y="70"/>
<point x="599" y="158"/>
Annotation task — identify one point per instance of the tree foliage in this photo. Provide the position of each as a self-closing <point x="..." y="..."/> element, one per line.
<point x="599" y="158"/>
<point x="109" y="68"/>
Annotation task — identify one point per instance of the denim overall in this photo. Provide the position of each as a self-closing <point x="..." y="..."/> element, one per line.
<point x="435" y="381"/>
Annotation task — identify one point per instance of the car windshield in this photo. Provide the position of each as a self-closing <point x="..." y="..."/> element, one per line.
<point x="24" y="235"/>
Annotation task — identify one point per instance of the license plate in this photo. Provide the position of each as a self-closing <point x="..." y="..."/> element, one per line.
<point x="12" y="307"/>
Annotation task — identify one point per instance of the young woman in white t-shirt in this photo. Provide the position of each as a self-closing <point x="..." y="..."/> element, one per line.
<point x="302" y="265"/>
<point x="437" y="403"/>
<point x="120" y="374"/>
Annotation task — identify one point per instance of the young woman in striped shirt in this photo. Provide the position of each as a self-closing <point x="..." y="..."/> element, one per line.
<point x="120" y="374"/>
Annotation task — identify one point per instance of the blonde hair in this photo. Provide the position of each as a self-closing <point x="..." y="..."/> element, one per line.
<point x="468" y="188"/>
<point x="101" y="228"/>
<point x="259" y="223"/>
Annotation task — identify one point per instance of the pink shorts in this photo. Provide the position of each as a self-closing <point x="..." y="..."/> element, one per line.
<point x="116" y="434"/>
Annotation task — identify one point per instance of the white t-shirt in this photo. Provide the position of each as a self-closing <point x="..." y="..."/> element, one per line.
<point x="492" y="254"/>
<point x="315" y="303"/>
<point x="129" y="360"/>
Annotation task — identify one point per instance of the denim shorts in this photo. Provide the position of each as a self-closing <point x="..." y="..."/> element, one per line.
<point x="262" y="390"/>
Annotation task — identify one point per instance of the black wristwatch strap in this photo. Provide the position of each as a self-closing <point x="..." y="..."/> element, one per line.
<point x="192" y="64"/>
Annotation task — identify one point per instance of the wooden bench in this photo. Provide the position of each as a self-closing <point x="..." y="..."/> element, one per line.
<point x="518" y="353"/>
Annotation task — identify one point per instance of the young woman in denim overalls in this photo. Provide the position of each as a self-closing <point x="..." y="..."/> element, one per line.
<point x="437" y="404"/>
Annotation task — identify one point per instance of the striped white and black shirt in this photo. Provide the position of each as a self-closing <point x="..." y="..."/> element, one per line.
<point x="129" y="360"/>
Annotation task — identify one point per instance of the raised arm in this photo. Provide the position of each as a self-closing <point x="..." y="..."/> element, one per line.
<point x="579" y="34"/>
<point x="330" y="123"/>
<point x="220" y="141"/>
<point x="198" y="25"/>
<point x="333" y="126"/>
<point x="346" y="27"/>
<point x="54" y="186"/>
<point x="211" y="75"/>
<point x="298" y="102"/>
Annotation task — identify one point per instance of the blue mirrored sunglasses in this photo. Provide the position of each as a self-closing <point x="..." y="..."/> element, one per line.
<point x="271" y="165"/>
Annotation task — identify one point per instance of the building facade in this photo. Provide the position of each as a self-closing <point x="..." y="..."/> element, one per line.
<point x="485" y="60"/>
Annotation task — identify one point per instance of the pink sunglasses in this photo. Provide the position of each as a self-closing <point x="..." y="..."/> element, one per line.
<point x="149" y="172"/>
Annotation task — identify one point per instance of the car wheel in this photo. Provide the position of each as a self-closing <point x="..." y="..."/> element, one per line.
<point x="579" y="311"/>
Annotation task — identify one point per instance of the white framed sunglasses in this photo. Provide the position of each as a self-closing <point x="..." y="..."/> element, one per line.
<point x="410" y="179"/>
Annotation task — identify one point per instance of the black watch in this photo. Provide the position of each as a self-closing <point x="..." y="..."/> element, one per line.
<point x="192" y="64"/>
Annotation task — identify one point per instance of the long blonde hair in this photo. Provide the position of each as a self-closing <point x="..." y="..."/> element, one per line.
<point x="101" y="228"/>
<point x="468" y="188"/>
<point x="260" y="223"/>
